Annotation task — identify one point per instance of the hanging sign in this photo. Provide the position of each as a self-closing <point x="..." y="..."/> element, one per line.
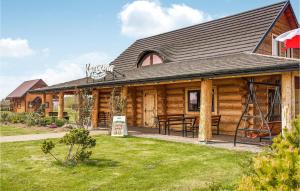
<point x="99" y="71"/>
<point x="119" y="126"/>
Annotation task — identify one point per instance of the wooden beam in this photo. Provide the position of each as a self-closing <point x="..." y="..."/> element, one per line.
<point x="79" y="104"/>
<point x="61" y="105"/>
<point x="43" y="98"/>
<point x="205" y="132"/>
<point x="95" y="109"/>
<point x="287" y="108"/>
<point x="164" y="99"/>
<point x="124" y="94"/>
<point x="134" y="106"/>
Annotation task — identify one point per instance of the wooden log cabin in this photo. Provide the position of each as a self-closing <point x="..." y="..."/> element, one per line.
<point x="203" y="70"/>
<point x="23" y="101"/>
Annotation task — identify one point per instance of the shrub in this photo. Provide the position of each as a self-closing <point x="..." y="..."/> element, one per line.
<point x="4" y="116"/>
<point x="44" y="121"/>
<point x="78" y="140"/>
<point x="32" y="119"/>
<point x="60" y="122"/>
<point x="279" y="167"/>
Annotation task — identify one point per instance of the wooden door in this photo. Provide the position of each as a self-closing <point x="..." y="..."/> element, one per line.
<point x="149" y="107"/>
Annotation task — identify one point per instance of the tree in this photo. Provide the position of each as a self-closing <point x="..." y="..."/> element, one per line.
<point x="84" y="108"/>
<point x="279" y="167"/>
<point x="78" y="140"/>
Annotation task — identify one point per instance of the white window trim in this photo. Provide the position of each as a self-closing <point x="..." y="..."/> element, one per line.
<point x="278" y="44"/>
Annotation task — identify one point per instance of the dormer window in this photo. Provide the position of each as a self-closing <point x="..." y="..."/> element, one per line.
<point x="150" y="59"/>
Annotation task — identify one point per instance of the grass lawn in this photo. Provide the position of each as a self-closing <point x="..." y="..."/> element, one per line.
<point x="121" y="164"/>
<point x="8" y="130"/>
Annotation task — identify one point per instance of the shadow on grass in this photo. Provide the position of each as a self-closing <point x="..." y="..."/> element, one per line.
<point x="99" y="163"/>
<point x="102" y="163"/>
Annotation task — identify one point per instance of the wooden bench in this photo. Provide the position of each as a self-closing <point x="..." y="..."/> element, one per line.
<point x="163" y="121"/>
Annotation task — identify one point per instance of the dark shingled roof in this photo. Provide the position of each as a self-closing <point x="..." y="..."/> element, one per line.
<point x="22" y="89"/>
<point x="237" y="33"/>
<point x="215" y="48"/>
<point x="235" y="64"/>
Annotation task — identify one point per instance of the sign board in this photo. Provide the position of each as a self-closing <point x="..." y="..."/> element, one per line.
<point x="119" y="126"/>
<point x="99" y="71"/>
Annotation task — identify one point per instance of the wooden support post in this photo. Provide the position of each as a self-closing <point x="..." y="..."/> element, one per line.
<point x="61" y="105"/>
<point x="124" y="93"/>
<point x="43" y="98"/>
<point x="164" y="100"/>
<point x="205" y="132"/>
<point x="95" y="114"/>
<point x="287" y="105"/>
<point x="79" y="104"/>
<point x="134" y="106"/>
<point x="50" y="107"/>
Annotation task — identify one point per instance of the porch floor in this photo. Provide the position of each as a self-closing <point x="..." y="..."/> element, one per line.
<point x="220" y="141"/>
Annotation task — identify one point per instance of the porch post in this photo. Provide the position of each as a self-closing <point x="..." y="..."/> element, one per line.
<point x="95" y="110"/>
<point x="43" y="98"/>
<point x="134" y="107"/>
<point x="205" y="132"/>
<point x="79" y="104"/>
<point x="61" y="105"/>
<point x="287" y="105"/>
<point x="44" y="101"/>
<point x="124" y="93"/>
<point x="50" y="106"/>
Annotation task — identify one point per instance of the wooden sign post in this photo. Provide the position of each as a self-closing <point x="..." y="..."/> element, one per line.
<point x="119" y="126"/>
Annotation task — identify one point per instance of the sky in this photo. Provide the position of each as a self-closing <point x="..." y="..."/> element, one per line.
<point x="54" y="39"/>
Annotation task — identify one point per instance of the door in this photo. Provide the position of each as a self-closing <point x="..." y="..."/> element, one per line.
<point x="149" y="108"/>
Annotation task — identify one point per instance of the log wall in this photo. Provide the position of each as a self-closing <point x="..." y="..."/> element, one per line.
<point x="171" y="99"/>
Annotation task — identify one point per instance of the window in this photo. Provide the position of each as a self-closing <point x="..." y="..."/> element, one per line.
<point x="151" y="59"/>
<point x="289" y="53"/>
<point x="193" y="100"/>
<point x="275" y="46"/>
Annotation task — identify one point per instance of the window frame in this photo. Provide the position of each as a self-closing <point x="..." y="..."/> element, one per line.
<point x="214" y="97"/>
<point x="290" y="50"/>
<point x="150" y="54"/>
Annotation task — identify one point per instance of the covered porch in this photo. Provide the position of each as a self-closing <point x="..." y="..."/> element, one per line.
<point x="224" y="97"/>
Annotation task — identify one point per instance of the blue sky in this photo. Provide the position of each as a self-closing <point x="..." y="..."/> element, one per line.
<point x="54" y="39"/>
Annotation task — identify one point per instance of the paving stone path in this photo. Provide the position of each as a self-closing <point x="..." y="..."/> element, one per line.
<point x="218" y="144"/>
<point x="33" y="137"/>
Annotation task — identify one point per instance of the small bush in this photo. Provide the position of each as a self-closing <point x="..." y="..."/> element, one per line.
<point x="44" y="121"/>
<point x="279" y="167"/>
<point x="78" y="140"/>
<point x="4" y="116"/>
<point x="60" y="122"/>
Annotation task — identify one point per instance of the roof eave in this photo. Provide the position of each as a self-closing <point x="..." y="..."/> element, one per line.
<point x="222" y="73"/>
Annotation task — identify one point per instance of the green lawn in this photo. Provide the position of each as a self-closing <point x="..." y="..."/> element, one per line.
<point x="8" y="130"/>
<point x="121" y="164"/>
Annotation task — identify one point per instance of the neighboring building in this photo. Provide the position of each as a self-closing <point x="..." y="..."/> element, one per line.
<point x="202" y="70"/>
<point x="23" y="101"/>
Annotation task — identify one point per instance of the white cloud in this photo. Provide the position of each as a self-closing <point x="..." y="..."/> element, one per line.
<point x="145" y="18"/>
<point x="65" y="70"/>
<point x="72" y="68"/>
<point x="14" y="48"/>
